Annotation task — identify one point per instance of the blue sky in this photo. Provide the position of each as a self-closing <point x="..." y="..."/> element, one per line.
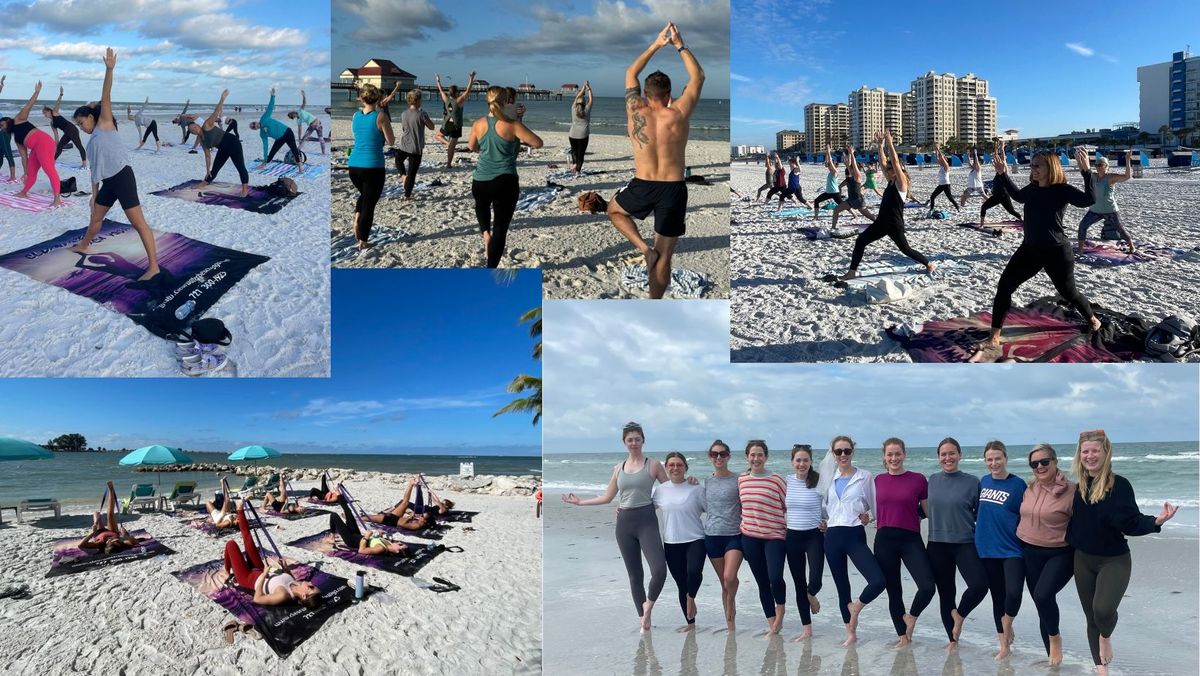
<point x="169" y="50"/>
<point x="507" y="41"/>
<point x="1053" y="67"/>
<point x="667" y="367"/>
<point x="420" y="363"/>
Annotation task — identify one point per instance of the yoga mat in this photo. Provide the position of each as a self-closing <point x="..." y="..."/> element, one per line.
<point x="69" y="559"/>
<point x="994" y="229"/>
<point x="457" y="516"/>
<point x="434" y="532"/>
<point x="200" y="273"/>
<point x="1103" y="255"/>
<point x="258" y="201"/>
<point x="205" y="525"/>
<point x="33" y="202"/>
<point x="308" y="513"/>
<point x="288" y="170"/>
<point x="283" y="627"/>
<point x="330" y="545"/>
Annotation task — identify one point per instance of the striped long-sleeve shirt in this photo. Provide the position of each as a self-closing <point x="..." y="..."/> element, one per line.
<point x="764" y="506"/>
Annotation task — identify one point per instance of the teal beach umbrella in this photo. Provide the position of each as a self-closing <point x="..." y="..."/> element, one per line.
<point x="254" y="453"/>
<point x="19" y="449"/>
<point x="156" y="455"/>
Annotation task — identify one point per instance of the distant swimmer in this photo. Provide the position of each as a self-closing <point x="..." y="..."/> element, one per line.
<point x="69" y="131"/>
<point x="303" y="117"/>
<point x="453" y="101"/>
<point x="658" y="131"/>
<point x="269" y="128"/>
<point x="36" y="147"/>
<point x="139" y="120"/>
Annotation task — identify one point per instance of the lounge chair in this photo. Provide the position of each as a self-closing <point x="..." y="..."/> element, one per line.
<point x="270" y="484"/>
<point x="183" y="492"/>
<point x="247" y="488"/>
<point x="140" y="495"/>
<point x="38" y="505"/>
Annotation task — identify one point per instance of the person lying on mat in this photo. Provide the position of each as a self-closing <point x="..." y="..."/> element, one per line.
<point x="439" y="506"/>
<point x="373" y="543"/>
<point x="222" y="516"/>
<point x="111" y="538"/>
<point x="273" y="586"/>
<point x="278" y="502"/>
<point x="400" y="517"/>
<point x="323" y="493"/>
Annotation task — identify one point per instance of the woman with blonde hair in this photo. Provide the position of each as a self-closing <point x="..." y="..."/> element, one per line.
<point x="1045" y="246"/>
<point x="1105" y="511"/>
<point x="1000" y="497"/>
<point x="494" y="185"/>
<point x="413" y="123"/>
<point x="372" y="129"/>
<point x="1045" y="512"/>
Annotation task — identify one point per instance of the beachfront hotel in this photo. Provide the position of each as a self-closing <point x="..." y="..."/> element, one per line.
<point x="789" y="141"/>
<point x="1170" y="94"/>
<point x="825" y="124"/>
<point x="946" y="106"/>
<point x="873" y="110"/>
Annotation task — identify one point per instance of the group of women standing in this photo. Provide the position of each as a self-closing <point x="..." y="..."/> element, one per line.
<point x="999" y="533"/>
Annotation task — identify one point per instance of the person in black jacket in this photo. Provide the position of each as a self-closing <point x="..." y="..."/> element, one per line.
<point x="1104" y="512"/>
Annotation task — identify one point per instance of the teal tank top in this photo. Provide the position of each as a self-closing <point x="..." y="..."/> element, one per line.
<point x="496" y="156"/>
<point x="831" y="183"/>
<point x="368" y="142"/>
<point x="1105" y="192"/>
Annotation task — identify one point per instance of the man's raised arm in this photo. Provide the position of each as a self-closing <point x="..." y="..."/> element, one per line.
<point x="690" y="96"/>
<point x="633" y="86"/>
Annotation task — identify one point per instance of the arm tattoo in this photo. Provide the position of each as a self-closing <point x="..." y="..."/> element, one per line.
<point x="633" y="97"/>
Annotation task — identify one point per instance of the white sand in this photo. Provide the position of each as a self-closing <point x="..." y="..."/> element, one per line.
<point x="582" y="255"/>
<point x="782" y="311"/>
<point x="136" y="618"/>
<point x="278" y="313"/>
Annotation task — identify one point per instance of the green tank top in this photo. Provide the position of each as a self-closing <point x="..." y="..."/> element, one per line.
<point x="1105" y="193"/>
<point x="831" y="183"/>
<point x="496" y="156"/>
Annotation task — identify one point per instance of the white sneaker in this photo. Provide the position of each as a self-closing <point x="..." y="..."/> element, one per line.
<point x="202" y="364"/>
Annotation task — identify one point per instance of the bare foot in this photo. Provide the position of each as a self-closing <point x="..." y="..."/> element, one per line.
<point x="1009" y="635"/>
<point x="647" y="608"/>
<point x="651" y="255"/>
<point x="1106" y="654"/>
<point x="855" y="607"/>
<point x="80" y="248"/>
<point x="849" y="275"/>
<point x="1101" y="670"/>
<point x="903" y="641"/>
<point x="685" y="629"/>
<point x="245" y="190"/>
<point x="57" y="201"/>
<point x="730" y="626"/>
<point x="23" y="194"/>
<point x="1004" y="649"/>
<point x="910" y="625"/>
<point x="851" y="637"/>
<point x="1095" y="323"/>
<point x="1056" y="655"/>
<point x="777" y="621"/>
<point x="691" y="608"/>
<point x="813" y="604"/>
<point x="363" y="246"/>
<point x="150" y="272"/>
<point x="958" y="623"/>
<point x="951" y="646"/>
<point x="930" y="269"/>
<point x="804" y="635"/>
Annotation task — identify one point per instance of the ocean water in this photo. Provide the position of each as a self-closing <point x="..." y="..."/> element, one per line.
<point x="710" y="121"/>
<point x="79" y="478"/>
<point x="1159" y="471"/>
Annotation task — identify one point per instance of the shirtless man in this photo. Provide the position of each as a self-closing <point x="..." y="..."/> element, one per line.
<point x="658" y="130"/>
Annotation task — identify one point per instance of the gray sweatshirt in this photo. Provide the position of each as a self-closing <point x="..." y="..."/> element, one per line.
<point x="953" y="503"/>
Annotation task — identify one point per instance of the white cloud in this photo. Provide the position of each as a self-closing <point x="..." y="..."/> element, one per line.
<point x="73" y="75"/>
<point x="1080" y="49"/>
<point x="393" y="22"/>
<point x="225" y="31"/>
<point x="739" y="78"/>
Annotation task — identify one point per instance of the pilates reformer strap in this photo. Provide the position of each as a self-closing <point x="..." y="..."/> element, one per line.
<point x="356" y="508"/>
<point x="262" y="527"/>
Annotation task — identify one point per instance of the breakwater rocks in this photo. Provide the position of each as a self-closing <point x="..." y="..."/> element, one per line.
<point x="482" y="483"/>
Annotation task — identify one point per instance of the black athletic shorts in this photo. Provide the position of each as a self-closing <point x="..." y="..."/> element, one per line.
<point x="277" y="506"/>
<point x="451" y="130"/>
<point x="120" y="187"/>
<point x="390" y="519"/>
<point x="667" y="199"/>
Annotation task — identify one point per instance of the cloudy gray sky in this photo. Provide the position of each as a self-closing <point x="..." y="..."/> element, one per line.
<point x="666" y="365"/>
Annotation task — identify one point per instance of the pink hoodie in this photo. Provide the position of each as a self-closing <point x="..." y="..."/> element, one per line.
<point x="1046" y="512"/>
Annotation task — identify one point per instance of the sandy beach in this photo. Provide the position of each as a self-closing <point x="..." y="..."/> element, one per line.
<point x="587" y="593"/>
<point x="278" y="313"/>
<point x="783" y="312"/>
<point x="582" y="255"/>
<point x="137" y="618"/>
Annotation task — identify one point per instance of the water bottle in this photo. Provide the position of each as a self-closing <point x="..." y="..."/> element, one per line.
<point x="687" y="172"/>
<point x="185" y="310"/>
<point x="359" y="584"/>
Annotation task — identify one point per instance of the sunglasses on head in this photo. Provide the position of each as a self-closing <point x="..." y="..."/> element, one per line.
<point x="843" y="451"/>
<point x="1092" y="432"/>
<point x="1044" y="462"/>
<point x="718" y="454"/>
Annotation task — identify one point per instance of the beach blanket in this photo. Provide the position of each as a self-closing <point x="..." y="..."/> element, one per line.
<point x="849" y="229"/>
<point x="1104" y="255"/>
<point x="289" y="170"/>
<point x="199" y="273"/>
<point x="35" y="201"/>
<point x="684" y="283"/>
<point x="344" y="246"/>
<point x="434" y="532"/>
<point x="330" y="545"/>
<point x="1037" y="333"/>
<point x="994" y="229"/>
<point x="260" y="200"/>
<point x="283" y="627"/>
<point x="888" y="283"/>
<point x="308" y="513"/>
<point x="802" y="211"/>
<point x="458" y="516"/>
<point x="532" y="198"/>
<point x="68" y="559"/>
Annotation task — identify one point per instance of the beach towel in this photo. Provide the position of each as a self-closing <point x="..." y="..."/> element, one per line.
<point x="344" y="246"/>
<point x="532" y="198"/>
<point x="818" y="232"/>
<point x="434" y="532"/>
<point x="802" y="211"/>
<point x="259" y="200"/>
<point x="994" y="229"/>
<point x="684" y="283"/>
<point x="888" y="283"/>
<point x="458" y="516"/>
<point x="1103" y="255"/>
<point x="330" y="545"/>
<point x="68" y="559"/>
<point x="205" y="525"/>
<point x="283" y="627"/>
<point x="289" y="170"/>
<point x="308" y="513"/>
<point x="199" y="273"/>
<point x="35" y="201"/>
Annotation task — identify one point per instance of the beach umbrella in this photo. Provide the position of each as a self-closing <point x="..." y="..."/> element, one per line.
<point x="156" y="455"/>
<point x="19" y="449"/>
<point x="254" y="453"/>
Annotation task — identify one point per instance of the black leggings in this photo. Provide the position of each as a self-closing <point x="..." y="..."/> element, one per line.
<point x="893" y="545"/>
<point x="775" y="189"/>
<point x="187" y="130"/>
<point x="842" y="542"/>
<point x="943" y="189"/>
<point x="231" y="128"/>
<point x="369" y="183"/>
<point x="805" y="545"/>
<point x="347" y="530"/>
<point x="1005" y="579"/>
<point x="1059" y="263"/>
<point x="410" y="173"/>
<point x="877" y="231"/>
<point x="322" y="491"/>
<point x="230" y="148"/>
<point x="835" y="196"/>
<point x="151" y="128"/>
<point x="766" y="563"/>
<point x="686" y="563"/>
<point x="289" y="139"/>
<point x="578" y="150"/>
<point x="1101" y="582"/>
<point x="637" y="535"/>
<point x="1047" y="571"/>
<point x="944" y="557"/>
<point x="998" y="197"/>
<point x="500" y="195"/>
<point x="71" y="133"/>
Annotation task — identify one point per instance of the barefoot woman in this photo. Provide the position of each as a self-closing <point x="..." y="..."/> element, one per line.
<point x="722" y="527"/>
<point x="682" y="504"/>
<point x="1045" y="512"/>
